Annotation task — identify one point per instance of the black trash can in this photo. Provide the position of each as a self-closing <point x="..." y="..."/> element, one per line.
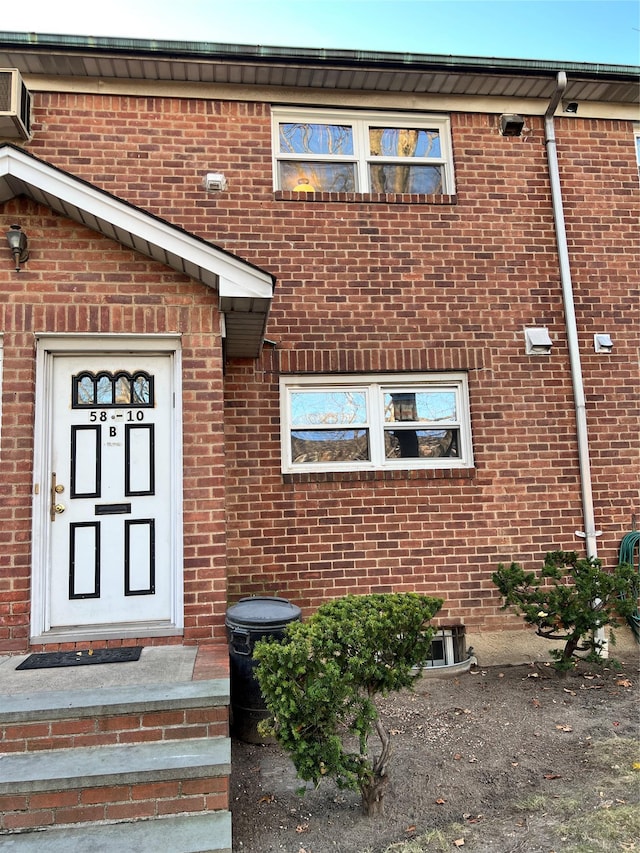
<point x="248" y="621"/>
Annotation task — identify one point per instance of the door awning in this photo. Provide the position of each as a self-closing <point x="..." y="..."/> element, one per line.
<point x="244" y="290"/>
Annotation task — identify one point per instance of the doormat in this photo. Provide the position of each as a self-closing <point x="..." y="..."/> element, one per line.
<point x="48" y="660"/>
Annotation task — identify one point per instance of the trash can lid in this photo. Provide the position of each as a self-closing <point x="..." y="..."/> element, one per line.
<point x="262" y="612"/>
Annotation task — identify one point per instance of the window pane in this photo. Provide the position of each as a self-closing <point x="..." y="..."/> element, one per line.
<point x="123" y="390"/>
<point x="420" y="406"/>
<point x="421" y="443"/>
<point x="319" y="177"/>
<point x="335" y="445"/>
<point x="105" y="391"/>
<point x="141" y="391"/>
<point x="404" y="142"/>
<point x="328" y="408"/>
<point x="86" y="391"/>
<point x="396" y="178"/>
<point x="316" y="139"/>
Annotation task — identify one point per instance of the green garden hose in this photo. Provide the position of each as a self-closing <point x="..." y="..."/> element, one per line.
<point x="630" y="553"/>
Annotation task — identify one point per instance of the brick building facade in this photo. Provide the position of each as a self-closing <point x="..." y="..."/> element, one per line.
<point x="385" y="285"/>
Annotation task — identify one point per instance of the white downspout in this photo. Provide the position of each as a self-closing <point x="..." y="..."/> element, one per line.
<point x="590" y="533"/>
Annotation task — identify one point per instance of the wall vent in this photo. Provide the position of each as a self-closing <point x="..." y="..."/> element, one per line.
<point x="15" y="105"/>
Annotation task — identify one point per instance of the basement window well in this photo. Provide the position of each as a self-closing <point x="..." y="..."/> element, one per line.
<point x="447" y="647"/>
<point x="449" y="655"/>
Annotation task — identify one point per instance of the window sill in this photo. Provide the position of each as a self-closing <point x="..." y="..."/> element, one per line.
<point x="380" y="476"/>
<point x="365" y="198"/>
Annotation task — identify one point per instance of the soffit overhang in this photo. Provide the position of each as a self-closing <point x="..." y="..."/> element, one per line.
<point x="244" y="290"/>
<point x="305" y="68"/>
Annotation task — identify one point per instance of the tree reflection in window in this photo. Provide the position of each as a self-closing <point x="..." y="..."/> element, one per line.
<point x="106" y="389"/>
<point x="329" y="426"/>
<point x="422" y="415"/>
<point x="399" y="143"/>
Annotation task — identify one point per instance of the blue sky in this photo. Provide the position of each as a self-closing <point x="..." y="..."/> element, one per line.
<point x="593" y="31"/>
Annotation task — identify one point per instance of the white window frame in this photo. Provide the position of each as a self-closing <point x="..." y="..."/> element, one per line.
<point x="360" y="122"/>
<point x="444" y="636"/>
<point x="374" y="387"/>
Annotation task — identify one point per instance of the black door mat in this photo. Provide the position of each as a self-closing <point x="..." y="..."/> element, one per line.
<point x="48" y="660"/>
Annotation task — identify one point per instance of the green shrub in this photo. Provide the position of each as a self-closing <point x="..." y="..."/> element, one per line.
<point x="321" y="680"/>
<point x="568" y="601"/>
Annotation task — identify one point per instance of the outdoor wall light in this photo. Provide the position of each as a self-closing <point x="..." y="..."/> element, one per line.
<point x="602" y="342"/>
<point x="570" y="107"/>
<point x="215" y="182"/>
<point x="537" y="341"/>
<point x="17" y="240"/>
<point x="511" y="124"/>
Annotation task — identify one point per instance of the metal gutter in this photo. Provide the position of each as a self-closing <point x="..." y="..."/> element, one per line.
<point x="220" y="51"/>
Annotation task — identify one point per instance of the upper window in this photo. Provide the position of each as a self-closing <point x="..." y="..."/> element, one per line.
<point x="364" y="423"/>
<point x="318" y="151"/>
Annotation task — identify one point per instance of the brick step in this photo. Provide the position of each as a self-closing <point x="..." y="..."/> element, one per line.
<point x="117" y="782"/>
<point x="81" y="768"/>
<point x="194" y="833"/>
<point x="45" y="720"/>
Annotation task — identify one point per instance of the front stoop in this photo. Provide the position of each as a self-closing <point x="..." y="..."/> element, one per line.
<point x="139" y="768"/>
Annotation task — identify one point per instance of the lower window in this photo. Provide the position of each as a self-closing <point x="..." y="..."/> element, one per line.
<point x="334" y="423"/>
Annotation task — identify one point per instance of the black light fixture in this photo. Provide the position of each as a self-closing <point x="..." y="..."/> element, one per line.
<point x="570" y="107"/>
<point x="17" y="240"/>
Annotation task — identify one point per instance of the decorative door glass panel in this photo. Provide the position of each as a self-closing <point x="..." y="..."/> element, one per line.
<point x="107" y="389"/>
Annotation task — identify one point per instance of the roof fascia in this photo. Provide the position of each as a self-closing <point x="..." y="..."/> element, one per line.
<point x="312" y="56"/>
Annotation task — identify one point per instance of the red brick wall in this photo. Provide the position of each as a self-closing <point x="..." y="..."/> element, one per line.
<point x="399" y="287"/>
<point x="77" y="281"/>
<point x="368" y="287"/>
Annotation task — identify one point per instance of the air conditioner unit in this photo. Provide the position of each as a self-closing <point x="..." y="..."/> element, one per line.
<point x="15" y="105"/>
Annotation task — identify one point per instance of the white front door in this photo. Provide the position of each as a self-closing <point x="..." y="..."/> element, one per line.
<point x="110" y="561"/>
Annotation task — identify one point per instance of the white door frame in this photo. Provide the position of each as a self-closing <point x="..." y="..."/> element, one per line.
<point x="48" y="346"/>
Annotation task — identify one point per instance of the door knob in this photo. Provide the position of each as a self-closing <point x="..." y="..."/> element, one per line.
<point x="59" y="508"/>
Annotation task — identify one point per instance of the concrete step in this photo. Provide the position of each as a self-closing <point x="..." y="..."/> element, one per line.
<point x="63" y="704"/>
<point x="201" y="833"/>
<point x="122" y="782"/>
<point x="120" y="764"/>
<point x="51" y="720"/>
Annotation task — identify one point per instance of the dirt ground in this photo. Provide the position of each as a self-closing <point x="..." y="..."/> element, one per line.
<point x="501" y="759"/>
